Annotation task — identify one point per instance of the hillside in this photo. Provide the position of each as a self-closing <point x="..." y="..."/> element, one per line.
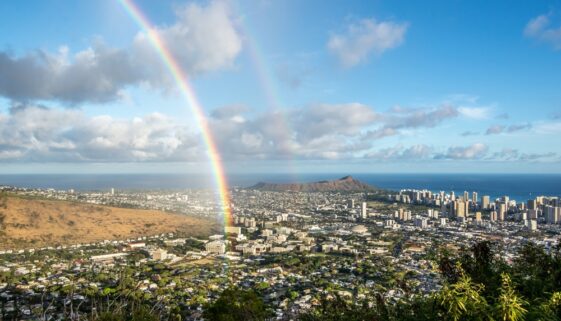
<point x="34" y="223"/>
<point x="344" y="184"/>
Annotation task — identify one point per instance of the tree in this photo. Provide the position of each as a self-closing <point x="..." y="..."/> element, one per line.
<point x="534" y="271"/>
<point x="510" y="306"/>
<point x="237" y="305"/>
<point x="549" y="310"/>
<point x="463" y="300"/>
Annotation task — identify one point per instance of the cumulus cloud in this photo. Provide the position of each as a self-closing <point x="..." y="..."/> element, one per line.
<point x="499" y="129"/>
<point x="316" y="131"/>
<point x="322" y="119"/>
<point x="35" y="133"/>
<point x="474" y="151"/>
<point x="495" y="129"/>
<point x="510" y="154"/>
<point x="365" y="37"/>
<point x="203" y="39"/>
<point x="415" y="152"/>
<point x="477" y="151"/>
<point x="30" y="133"/>
<point x="474" y="112"/>
<point x="515" y="128"/>
<point x="399" y="118"/>
<point x="540" y="28"/>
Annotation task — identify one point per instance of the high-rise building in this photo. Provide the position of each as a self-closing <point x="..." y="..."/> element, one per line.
<point x="460" y="209"/>
<point x="485" y="201"/>
<point x="502" y="212"/>
<point x="466" y="196"/>
<point x="452" y="196"/>
<point x="552" y="214"/>
<point x="506" y="199"/>
<point x="531" y="225"/>
<point x="493" y="216"/>
<point x="421" y="222"/>
<point x="533" y="214"/>
<point x="363" y="211"/>
<point x="532" y="204"/>
<point x="478" y="217"/>
<point x="351" y="203"/>
<point x="474" y="198"/>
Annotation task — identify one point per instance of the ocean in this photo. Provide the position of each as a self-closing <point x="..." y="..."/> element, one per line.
<point x="517" y="186"/>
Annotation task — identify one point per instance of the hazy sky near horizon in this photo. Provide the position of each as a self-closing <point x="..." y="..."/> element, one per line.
<point x="286" y="86"/>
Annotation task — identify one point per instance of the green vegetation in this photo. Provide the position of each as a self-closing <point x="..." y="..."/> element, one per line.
<point x="479" y="286"/>
<point x="236" y="304"/>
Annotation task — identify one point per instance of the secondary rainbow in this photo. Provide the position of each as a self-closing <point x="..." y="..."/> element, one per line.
<point x="268" y="85"/>
<point x="182" y="81"/>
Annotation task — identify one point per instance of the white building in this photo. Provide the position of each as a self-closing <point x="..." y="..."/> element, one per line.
<point x="159" y="254"/>
<point x="363" y="210"/>
<point x="216" y="247"/>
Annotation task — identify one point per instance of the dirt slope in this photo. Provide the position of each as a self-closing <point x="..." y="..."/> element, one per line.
<point x="35" y="223"/>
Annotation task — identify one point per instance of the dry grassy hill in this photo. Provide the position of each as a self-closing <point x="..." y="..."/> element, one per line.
<point x="28" y="223"/>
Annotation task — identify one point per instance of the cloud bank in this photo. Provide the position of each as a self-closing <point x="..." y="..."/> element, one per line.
<point x="35" y="133"/>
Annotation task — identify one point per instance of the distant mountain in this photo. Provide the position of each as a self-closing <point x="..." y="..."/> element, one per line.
<point x="344" y="184"/>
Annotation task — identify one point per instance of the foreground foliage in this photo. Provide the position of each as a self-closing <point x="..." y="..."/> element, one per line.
<point x="479" y="286"/>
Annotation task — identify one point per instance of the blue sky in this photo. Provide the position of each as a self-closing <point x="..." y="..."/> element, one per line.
<point x="287" y="86"/>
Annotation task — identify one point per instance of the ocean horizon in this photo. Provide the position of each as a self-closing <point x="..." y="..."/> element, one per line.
<point x="517" y="186"/>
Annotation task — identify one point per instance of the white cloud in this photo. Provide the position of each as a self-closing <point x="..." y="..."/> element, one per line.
<point x="415" y="152"/>
<point x="540" y="28"/>
<point x="399" y="118"/>
<point x="475" y="151"/>
<point x="203" y="39"/>
<point x="318" y="131"/>
<point x="34" y="133"/>
<point x="364" y="37"/>
<point x="495" y="129"/>
<point x="499" y="129"/>
<point x="510" y="154"/>
<point x="474" y="112"/>
<point x="546" y="128"/>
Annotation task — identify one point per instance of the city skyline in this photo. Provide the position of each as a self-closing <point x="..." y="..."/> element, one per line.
<point x="285" y="87"/>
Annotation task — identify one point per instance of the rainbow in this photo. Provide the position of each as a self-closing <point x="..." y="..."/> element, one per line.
<point x="182" y="81"/>
<point x="268" y="85"/>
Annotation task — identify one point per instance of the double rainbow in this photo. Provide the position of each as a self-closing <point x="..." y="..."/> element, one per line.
<point x="188" y="92"/>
